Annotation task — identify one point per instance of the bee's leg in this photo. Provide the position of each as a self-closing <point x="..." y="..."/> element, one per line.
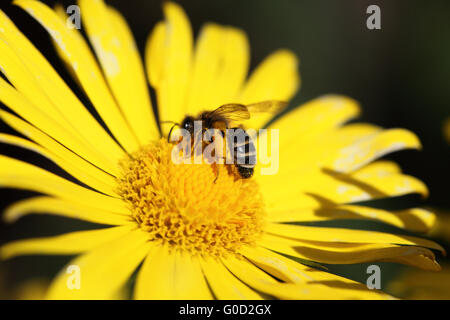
<point x="218" y="171"/>
<point x="217" y="175"/>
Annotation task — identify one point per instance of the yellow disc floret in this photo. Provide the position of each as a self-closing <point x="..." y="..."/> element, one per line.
<point x="202" y="208"/>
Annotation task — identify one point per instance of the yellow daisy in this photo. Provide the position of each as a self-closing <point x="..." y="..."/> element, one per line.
<point x="187" y="236"/>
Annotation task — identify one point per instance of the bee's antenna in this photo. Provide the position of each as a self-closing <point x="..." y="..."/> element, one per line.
<point x="170" y="132"/>
<point x="171" y="129"/>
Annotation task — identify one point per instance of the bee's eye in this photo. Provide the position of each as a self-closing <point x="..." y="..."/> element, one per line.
<point x="188" y="125"/>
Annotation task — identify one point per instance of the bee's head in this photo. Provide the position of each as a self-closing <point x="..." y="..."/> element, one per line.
<point x="188" y="124"/>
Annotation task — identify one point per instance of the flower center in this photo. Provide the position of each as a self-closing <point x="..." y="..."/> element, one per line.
<point x="202" y="208"/>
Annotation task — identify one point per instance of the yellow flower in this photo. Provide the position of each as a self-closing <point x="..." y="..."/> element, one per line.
<point x="195" y="238"/>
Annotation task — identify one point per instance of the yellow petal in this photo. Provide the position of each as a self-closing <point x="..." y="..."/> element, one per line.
<point x="21" y="105"/>
<point x="85" y="67"/>
<point x="379" y="168"/>
<point x="69" y="243"/>
<point x="69" y="109"/>
<point x="327" y="189"/>
<point x="22" y="175"/>
<point x="345" y="253"/>
<point x="308" y="134"/>
<point x="423" y="261"/>
<point x="104" y="270"/>
<point x="155" y="54"/>
<point x="321" y="147"/>
<point x="327" y="285"/>
<point x="23" y="80"/>
<point x="276" y="78"/>
<point x="219" y="68"/>
<point x="276" y="265"/>
<point x="64" y="208"/>
<point x="224" y="284"/>
<point x="173" y="59"/>
<point x="416" y="219"/>
<point x="167" y="274"/>
<point x="72" y="169"/>
<point x="56" y="148"/>
<point x="119" y="57"/>
<point x="314" y="118"/>
<point x="324" y="147"/>
<point x="261" y="281"/>
<point x="322" y="234"/>
<point x="362" y="152"/>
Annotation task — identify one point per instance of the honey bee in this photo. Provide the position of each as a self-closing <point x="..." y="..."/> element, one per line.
<point x="231" y="116"/>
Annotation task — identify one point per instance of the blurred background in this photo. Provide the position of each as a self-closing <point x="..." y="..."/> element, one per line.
<point x="400" y="75"/>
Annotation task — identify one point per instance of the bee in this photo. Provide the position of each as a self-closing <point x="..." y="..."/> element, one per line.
<point x="231" y="116"/>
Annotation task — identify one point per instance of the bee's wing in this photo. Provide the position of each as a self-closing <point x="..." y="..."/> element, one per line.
<point x="269" y="106"/>
<point x="233" y="112"/>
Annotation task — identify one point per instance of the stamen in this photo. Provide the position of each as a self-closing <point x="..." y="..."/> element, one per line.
<point x="185" y="206"/>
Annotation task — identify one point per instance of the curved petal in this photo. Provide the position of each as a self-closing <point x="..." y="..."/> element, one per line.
<point x="224" y="284"/>
<point x="291" y="271"/>
<point x="364" y="151"/>
<point x="69" y="109"/>
<point x="171" y="60"/>
<point x="155" y="54"/>
<point x="68" y="243"/>
<point x="64" y="208"/>
<point x="423" y="261"/>
<point x="168" y="274"/>
<point x="349" y="253"/>
<point x="321" y="147"/>
<point x="340" y="235"/>
<point x="309" y="133"/>
<point x="276" y="78"/>
<point x="85" y="67"/>
<point x="104" y="270"/>
<point x="326" y="188"/>
<point x="21" y="105"/>
<point x="75" y="171"/>
<point x="341" y="188"/>
<point x="219" y="69"/>
<point x="118" y="55"/>
<point x="56" y="148"/>
<point x="416" y="219"/>
<point x="261" y="281"/>
<point x="22" y="175"/>
<point x="314" y="118"/>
